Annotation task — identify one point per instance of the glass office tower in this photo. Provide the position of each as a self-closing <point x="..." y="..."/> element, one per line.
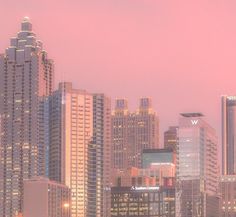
<point x="197" y="168"/>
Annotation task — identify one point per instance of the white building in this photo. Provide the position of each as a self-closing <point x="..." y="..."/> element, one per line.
<point x="197" y="168"/>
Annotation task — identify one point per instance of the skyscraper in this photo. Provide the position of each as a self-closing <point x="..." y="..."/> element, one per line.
<point x="132" y="132"/>
<point x="146" y="130"/>
<point x="171" y="138"/>
<point x="80" y="148"/>
<point x="71" y="132"/>
<point x="228" y="111"/>
<point x="197" y="168"/>
<point x="99" y="159"/>
<point x="26" y="79"/>
<point x="121" y="149"/>
<point x="1" y="166"/>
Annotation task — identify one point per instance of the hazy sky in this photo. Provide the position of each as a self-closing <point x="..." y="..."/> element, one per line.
<point x="182" y="53"/>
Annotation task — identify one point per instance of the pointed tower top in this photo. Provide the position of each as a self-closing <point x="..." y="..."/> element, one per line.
<point x="26" y="24"/>
<point x="26" y="19"/>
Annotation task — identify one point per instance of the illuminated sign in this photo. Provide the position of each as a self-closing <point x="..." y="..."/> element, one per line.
<point x="135" y="188"/>
<point x="194" y="122"/>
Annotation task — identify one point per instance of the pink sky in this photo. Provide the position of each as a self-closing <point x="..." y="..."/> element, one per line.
<point x="181" y="53"/>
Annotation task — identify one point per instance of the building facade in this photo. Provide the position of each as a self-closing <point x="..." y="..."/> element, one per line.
<point x="143" y="192"/>
<point x="132" y="132"/>
<point x="161" y="156"/>
<point x="197" y="168"/>
<point x="120" y="140"/>
<point x="99" y="159"/>
<point x="26" y="79"/>
<point x="71" y="131"/>
<point x="158" y="175"/>
<point x="228" y="196"/>
<point x="171" y="138"/>
<point x="228" y="115"/>
<point x="80" y="148"/>
<point x="43" y="197"/>
<point x="143" y="201"/>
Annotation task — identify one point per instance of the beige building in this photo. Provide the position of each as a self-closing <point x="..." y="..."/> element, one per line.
<point x="26" y="79"/>
<point x="132" y="132"/>
<point x="45" y="198"/>
<point x="80" y="148"/>
<point x="71" y="131"/>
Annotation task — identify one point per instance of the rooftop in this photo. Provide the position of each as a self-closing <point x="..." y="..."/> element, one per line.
<point x="194" y="114"/>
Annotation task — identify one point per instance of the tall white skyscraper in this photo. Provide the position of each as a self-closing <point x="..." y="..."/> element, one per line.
<point x="26" y="79"/>
<point x="228" y="112"/>
<point x="197" y="168"/>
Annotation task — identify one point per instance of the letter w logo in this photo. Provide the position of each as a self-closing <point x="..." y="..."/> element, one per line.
<point x="194" y="122"/>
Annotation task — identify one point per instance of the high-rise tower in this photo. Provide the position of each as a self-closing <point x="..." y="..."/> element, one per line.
<point x="132" y="132"/>
<point x="171" y="138"/>
<point x="26" y="79"/>
<point x="197" y="168"/>
<point x="99" y="159"/>
<point x="71" y="131"/>
<point x="228" y="112"/>
<point x="80" y="146"/>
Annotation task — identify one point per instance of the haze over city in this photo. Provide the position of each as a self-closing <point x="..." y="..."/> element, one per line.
<point x="180" y="53"/>
<point x="117" y="108"/>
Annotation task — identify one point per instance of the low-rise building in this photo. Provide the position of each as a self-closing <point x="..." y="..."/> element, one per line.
<point x="228" y="195"/>
<point x="45" y="198"/>
<point x="143" y="192"/>
<point x="143" y="201"/>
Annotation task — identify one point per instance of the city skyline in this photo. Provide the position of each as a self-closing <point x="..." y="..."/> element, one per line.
<point x="71" y="135"/>
<point x="139" y="30"/>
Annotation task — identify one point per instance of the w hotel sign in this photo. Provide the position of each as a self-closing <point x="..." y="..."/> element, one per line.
<point x="194" y="122"/>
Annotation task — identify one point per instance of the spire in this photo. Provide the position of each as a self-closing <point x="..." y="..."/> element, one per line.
<point x="145" y="103"/>
<point x="26" y="19"/>
<point x="26" y="25"/>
